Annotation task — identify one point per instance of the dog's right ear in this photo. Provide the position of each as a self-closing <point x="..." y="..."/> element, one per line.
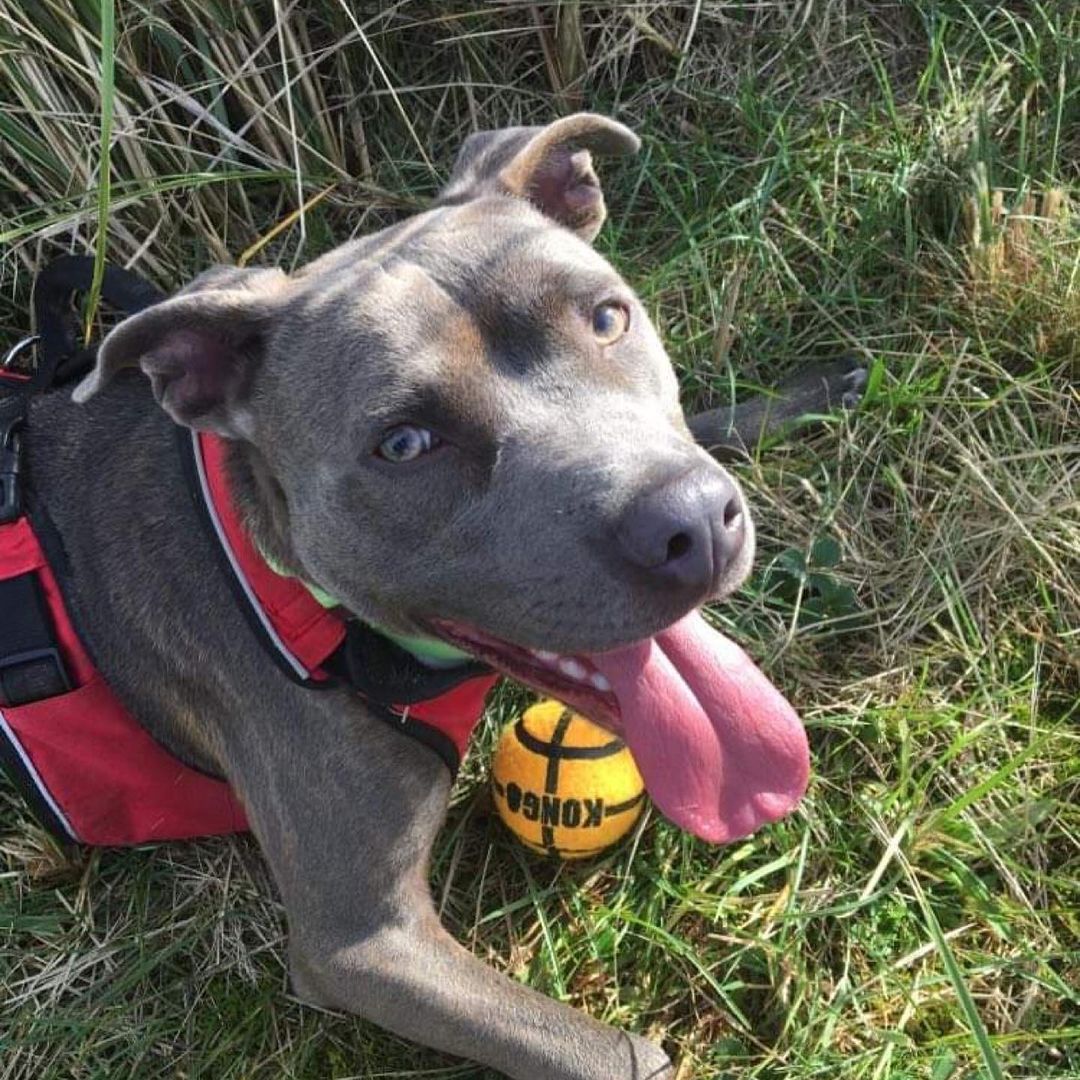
<point x="200" y="349"/>
<point x="550" y="166"/>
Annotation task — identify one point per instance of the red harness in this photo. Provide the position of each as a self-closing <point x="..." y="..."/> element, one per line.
<point x="93" y="772"/>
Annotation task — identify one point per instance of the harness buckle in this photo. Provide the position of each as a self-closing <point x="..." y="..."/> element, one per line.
<point x="31" y="664"/>
<point x="12" y="355"/>
<point x="12" y="415"/>
<point x="32" y="676"/>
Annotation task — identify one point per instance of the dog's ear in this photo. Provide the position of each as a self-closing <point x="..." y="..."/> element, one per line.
<point x="200" y="349"/>
<point x="550" y="166"/>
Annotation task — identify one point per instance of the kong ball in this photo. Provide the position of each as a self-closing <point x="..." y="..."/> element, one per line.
<point x="564" y="785"/>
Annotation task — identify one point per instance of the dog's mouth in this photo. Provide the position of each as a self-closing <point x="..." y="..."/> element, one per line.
<point x="721" y="750"/>
<point x="572" y="678"/>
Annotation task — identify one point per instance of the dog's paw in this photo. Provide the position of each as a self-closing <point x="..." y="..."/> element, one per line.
<point x="852" y="383"/>
<point x="819" y="389"/>
<point x="800" y="401"/>
<point x="832" y="385"/>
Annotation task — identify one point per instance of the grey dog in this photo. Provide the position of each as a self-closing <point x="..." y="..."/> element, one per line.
<point x="542" y="494"/>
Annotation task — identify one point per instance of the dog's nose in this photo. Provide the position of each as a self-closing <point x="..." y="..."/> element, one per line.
<point x="685" y="531"/>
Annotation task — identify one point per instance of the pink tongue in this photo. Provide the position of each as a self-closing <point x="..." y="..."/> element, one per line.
<point x="722" y="752"/>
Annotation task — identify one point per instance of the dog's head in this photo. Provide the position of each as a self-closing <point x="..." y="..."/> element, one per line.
<point x="466" y="425"/>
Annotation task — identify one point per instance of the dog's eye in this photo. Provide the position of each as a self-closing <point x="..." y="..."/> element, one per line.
<point x="610" y="321"/>
<point x="406" y="443"/>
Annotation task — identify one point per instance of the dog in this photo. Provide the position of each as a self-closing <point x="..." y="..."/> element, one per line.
<point x="462" y="429"/>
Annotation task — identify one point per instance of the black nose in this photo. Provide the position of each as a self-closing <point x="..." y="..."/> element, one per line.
<point x="686" y="530"/>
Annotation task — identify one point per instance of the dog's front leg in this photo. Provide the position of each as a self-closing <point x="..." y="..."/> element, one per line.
<point x="733" y="431"/>
<point x="346" y="811"/>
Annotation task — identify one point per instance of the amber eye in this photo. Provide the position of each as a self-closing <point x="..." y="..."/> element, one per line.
<point x="610" y="321"/>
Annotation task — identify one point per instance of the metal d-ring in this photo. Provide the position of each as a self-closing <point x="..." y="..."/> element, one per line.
<point x="19" y="347"/>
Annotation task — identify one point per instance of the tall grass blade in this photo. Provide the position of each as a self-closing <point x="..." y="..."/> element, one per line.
<point x="108" y="88"/>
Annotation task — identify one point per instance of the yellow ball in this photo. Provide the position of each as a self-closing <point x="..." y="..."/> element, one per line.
<point x="563" y="785"/>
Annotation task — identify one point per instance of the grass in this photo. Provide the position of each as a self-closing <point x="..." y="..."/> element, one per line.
<point x="895" y="180"/>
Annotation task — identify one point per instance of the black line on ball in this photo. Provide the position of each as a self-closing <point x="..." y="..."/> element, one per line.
<point x="622" y="807"/>
<point x="566" y="753"/>
<point x="551" y="776"/>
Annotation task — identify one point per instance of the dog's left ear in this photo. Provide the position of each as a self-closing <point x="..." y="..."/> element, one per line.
<point x="201" y="349"/>
<point x="550" y="166"/>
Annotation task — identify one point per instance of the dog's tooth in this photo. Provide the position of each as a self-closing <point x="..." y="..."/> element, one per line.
<point x="600" y="682"/>
<point x="547" y="657"/>
<point x="573" y="669"/>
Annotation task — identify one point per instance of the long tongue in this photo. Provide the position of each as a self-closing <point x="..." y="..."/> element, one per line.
<point x="721" y="751"/>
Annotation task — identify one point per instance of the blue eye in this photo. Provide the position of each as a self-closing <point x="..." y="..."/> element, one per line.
<point x="610" y="321"/>
<point x="405" y="443"/>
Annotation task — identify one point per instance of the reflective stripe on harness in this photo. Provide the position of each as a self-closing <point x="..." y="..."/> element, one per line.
<point x="34" y="788"/>
<point x="299" y="668"/>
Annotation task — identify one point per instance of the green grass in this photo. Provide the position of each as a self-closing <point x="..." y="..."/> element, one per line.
<point x="895" y="180"/>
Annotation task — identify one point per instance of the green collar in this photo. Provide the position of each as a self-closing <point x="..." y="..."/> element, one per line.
<point x="429" y="651"/>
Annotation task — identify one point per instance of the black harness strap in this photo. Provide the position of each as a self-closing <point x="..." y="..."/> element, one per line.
<point x="387" y="674"/>
<point x="60" y="358"/>
<point x="31" y="665"/>
<point x="12" y="420"/>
